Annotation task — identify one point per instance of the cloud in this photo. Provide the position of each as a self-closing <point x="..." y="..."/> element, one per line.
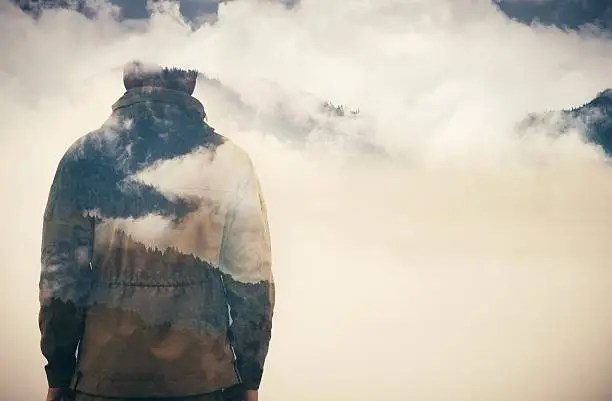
<point x="422" y="248"/>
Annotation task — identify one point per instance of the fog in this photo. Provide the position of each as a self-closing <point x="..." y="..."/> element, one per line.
<point x="422" y="248"/>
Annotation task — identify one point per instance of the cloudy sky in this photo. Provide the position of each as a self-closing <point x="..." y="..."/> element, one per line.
<point x="449" y="259"/>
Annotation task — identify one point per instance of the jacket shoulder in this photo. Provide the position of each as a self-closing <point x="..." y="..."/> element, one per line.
<point x="85" y="146"/>
<point x="228" y="149"/>
<point x="100" y="141"/>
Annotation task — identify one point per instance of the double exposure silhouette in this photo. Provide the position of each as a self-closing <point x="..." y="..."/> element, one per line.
<point x="142" y="260"/>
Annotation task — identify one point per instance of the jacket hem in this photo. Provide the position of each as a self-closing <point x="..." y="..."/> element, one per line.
<point x="160" y="388"/>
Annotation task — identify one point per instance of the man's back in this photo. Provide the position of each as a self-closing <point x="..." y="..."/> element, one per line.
<point x="154" y="225"/>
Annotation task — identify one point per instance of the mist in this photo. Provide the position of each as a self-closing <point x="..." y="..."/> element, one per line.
<point x="422" y="247"/>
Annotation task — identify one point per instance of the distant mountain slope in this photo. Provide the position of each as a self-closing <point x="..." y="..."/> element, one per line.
<point x="569" y="14"/>
<point x="595" y="116"/>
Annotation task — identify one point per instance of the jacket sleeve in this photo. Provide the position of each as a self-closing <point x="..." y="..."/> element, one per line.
<point x="67" y="244"/>
<point x="248" y="280"/>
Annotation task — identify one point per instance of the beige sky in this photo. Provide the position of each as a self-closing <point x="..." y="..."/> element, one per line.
<point x="468" y="265"/>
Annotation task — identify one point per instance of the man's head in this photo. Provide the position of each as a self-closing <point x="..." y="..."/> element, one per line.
<point x="137" y="74"/>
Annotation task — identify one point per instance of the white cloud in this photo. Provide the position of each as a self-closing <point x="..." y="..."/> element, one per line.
<point x="470" y="264"/>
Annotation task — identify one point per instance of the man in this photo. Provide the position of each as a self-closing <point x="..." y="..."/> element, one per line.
<point x="155" y="228"/>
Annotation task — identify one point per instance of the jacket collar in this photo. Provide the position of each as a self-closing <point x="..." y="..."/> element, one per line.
<point x="161" y="95"/>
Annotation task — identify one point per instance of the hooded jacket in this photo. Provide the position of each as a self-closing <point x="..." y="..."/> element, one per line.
<point x="156" y="275"/>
